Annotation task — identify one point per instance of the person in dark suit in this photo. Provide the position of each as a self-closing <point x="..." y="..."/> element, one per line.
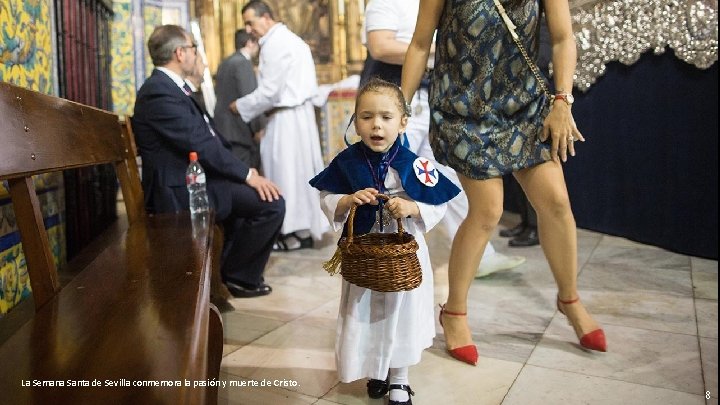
<point x="236" y="78"/>
<point x="168" y="124"/>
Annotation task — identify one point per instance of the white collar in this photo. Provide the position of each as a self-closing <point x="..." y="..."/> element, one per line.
<point x="174" y="76"/>
<point x="267" y="35"/>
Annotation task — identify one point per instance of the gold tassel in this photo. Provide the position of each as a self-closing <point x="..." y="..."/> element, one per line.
<point x="332" y="266"/>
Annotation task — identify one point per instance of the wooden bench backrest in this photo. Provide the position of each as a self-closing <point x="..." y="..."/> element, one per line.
<point x="40" y="134"/>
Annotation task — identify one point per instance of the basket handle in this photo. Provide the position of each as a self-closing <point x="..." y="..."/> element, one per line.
<point x="351" y="220"/>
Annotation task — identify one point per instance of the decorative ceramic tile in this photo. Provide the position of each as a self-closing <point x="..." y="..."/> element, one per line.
<point x="536" y="385"/>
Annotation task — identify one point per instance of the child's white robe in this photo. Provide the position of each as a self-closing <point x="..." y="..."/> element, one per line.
<point x="377" y="331"/>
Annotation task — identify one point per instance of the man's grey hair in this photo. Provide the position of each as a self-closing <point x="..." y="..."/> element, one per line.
<point x="163" y="42"/>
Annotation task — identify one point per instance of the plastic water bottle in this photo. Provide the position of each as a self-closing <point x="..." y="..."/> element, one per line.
<point x="195" y="180"/>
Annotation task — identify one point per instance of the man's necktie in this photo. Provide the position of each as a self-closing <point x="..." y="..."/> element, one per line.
<point x="186" y="89"/>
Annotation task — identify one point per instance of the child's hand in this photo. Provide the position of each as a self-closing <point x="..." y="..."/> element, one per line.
<point x="401" y="208"/>
<point x="365" y="196"/>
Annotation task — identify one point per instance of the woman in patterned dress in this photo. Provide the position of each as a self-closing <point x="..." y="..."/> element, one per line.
<point x="490" y="116"/>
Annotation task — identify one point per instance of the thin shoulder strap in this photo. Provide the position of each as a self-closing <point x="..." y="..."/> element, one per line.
<point x="511" y="28"/>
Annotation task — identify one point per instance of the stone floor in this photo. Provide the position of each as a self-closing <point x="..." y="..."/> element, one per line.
<point x="659" y="310"/>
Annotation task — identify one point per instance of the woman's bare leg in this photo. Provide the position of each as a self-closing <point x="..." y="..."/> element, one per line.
<point x="485" y="199"/>
<point x="545" y="187"/>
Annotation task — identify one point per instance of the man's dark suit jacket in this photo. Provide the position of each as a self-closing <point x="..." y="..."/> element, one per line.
<point x="236" y="78"/>
<point x="168" y="125"/>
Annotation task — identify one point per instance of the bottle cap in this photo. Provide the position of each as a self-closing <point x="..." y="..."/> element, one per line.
<point x="193" y="156"/>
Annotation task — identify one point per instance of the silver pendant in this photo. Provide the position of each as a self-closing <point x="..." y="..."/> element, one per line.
<point x="386" y="218"/>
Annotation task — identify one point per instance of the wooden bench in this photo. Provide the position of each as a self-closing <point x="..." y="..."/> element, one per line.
<point x="135" y="325"/>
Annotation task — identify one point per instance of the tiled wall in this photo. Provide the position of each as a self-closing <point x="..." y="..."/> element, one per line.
<point x="26" y="59"/>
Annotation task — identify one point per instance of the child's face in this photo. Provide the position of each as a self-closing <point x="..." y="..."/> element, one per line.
<point x="379" y="120"/>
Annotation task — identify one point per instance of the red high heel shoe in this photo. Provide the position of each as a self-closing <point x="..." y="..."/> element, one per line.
<point x="467" y="354"/>
<point x="594" y="340"/>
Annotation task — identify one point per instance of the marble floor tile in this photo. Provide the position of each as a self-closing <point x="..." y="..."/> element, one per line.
<point x="306" y="274"/>
<point x="709" y="353"/>
<point x="707" y="318"/>
<point x="704" y="265"/>
<point x="631" y="254"/>
<point x="252" y="392"/>
<point x="241" y="328"/>
<point x="227" y="349"/>
<point x="324" y="316"/>
<point x="705" y="283"/>
<point x="537" y="385"/>
<point x="506" y="323"/>
<point x="640" y="309"/>
<point x="295" y="351"/>
<point x="439" y="379"/>
<point x="652" y="358"/>
<point x="623" y="278"/>
<point x="286" y="302"/>
<point x="652" y="304"/>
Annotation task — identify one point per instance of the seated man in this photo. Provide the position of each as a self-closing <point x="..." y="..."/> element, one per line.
<point x="168" y="124"/>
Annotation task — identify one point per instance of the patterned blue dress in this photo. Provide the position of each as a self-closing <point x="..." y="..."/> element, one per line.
<point x="487" y="108"/>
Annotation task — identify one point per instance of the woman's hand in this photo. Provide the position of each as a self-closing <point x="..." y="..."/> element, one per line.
<point x="560" y="126"/>
<point x="402" y="208"/>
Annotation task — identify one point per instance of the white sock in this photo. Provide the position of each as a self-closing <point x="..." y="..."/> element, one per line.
<point x="399" y="376"/>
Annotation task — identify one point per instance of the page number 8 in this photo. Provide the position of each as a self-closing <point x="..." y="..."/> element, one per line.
<point x="707" y="394"/>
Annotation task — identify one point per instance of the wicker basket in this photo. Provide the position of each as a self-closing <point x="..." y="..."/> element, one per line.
<point x="385" y="262"/>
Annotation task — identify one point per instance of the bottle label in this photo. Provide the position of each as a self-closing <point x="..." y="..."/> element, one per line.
<point x="195" y="178"/>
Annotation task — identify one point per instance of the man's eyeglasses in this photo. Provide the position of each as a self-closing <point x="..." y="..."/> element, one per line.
<point x="193" y="46"/>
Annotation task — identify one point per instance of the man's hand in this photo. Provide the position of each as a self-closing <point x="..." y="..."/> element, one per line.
<point x="258" y="136"/>
<point x="267" y="190"/>
<point x="233" y="108"/>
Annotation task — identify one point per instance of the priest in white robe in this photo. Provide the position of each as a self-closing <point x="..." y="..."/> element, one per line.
<point x="290" y="150"/>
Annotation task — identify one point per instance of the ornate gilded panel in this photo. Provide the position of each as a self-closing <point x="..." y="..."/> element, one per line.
<point x="26" y="44"/>
<point x="330" y="27"/>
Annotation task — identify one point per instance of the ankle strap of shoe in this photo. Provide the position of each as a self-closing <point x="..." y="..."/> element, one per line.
<point x="568" y="302"/>
<point x="402" y="387"/>
<point x="446" y="312"/>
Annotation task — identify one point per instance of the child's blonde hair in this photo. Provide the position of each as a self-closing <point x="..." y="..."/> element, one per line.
<point x="379" y="85"/>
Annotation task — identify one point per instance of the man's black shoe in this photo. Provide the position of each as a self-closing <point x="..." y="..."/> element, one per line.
<point x="514" y="231"/>
<point x="238" y="291"/>
<point x="528" y="238"/>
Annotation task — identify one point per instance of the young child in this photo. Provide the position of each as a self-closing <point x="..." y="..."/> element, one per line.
<point x="379" y="334"/>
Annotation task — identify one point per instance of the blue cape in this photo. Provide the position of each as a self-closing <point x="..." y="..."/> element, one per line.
<point x="349" y="172"/>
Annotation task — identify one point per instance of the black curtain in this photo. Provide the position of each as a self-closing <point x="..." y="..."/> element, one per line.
<point x="649" y="168"/>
